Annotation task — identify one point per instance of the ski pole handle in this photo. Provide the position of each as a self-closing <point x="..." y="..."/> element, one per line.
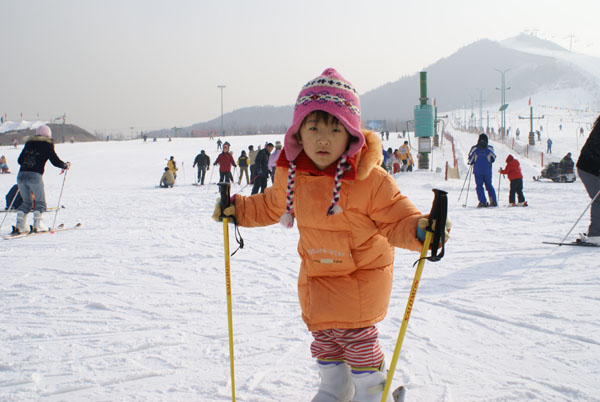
<point x="225" y="198"/>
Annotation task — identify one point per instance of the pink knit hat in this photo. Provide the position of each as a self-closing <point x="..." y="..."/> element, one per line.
<point x="331" y="93"/>
<point x="44" y="130"/>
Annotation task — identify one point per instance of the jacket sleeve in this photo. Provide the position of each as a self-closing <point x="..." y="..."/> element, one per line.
<point x="395" y="215"/>
<point x="54" y="159"/>
<point x="263" y="209"/>
<point x="472" y="155"/>
<point x="491" y="155"/>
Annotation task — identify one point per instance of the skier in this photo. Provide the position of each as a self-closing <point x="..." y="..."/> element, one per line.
<point x="273" y="160"/>
<point x="167" y="179"/>
<point x="203" y="162"/>
<point x="219" y="144"/>
<point x="172" y="165"/>
<point x="37" y="151"/>
<point x="225" y="162"/>
<point x="549" y="149"/>
<point x="481" y="156"/>
<point x="251" y="160"/>
<point x="517" y="133"/>
<point x="404" y="150"/>
<point x="588" y="168"/>
<point x="243" y="164"/>
<point x="346" y="240"/>
<point x="261" y="165"/>
<point x="513" y="171"/>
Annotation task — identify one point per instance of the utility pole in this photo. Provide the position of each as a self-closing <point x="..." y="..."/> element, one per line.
<point x="570" y="42"/>
<point x="222" y="129"/>
<point x="531" y="119"/>
<point x="504" y="105"/>
<point x="481" y="101"/>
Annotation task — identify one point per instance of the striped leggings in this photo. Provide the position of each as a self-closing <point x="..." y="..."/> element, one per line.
<point x="357" y="347"/>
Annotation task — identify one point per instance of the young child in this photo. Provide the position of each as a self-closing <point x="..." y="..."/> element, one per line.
<point x="350" y="216"/>
<point x="513" y="171"/>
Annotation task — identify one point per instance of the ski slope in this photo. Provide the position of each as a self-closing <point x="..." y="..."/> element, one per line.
<point x="132" y="306"/>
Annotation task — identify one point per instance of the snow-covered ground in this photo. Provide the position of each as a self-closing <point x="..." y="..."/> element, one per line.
<point x="132" y="306"/>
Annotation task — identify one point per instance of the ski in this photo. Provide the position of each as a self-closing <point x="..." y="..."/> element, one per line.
<point x="399" y="394"/>
<point x="59" y="228"/>
<point x="573" y="243"/>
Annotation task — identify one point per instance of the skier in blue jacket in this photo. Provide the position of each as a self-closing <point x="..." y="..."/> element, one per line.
<point x="481" y="156"/>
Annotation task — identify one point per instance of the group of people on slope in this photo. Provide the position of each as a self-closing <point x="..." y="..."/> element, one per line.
<point x="170" y="174"/>
<point x="256" y="165"/>
<point x="481" y="157"/>
<point x="398" y="160"/>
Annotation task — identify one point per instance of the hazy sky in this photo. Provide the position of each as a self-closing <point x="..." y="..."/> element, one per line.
<point x="115" y="64"/>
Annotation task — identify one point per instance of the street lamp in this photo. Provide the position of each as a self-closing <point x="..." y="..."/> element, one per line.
<point x="503" y="100"/>
<point x="222" y="130"/>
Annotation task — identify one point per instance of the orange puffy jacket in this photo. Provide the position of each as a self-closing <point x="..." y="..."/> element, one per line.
<point x="346" y="271"/>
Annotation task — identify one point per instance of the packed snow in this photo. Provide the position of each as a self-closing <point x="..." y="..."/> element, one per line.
<point x="132" y="306"/>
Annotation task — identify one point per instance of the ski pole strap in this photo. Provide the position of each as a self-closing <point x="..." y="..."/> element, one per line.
<point x="437" y="224"/>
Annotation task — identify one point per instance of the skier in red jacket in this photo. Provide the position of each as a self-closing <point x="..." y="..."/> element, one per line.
<point x="226" y="162"/>
<point x="513" y="171"/>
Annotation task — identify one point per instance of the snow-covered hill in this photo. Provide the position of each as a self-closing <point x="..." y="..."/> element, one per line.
<point x="132" y="306"/>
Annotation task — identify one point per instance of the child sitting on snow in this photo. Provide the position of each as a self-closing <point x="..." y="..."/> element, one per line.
<point x="3" y="165"/>
<point x="167" y="179"/>
<point x="350" y="215"/>
<point x="513" y="171"/>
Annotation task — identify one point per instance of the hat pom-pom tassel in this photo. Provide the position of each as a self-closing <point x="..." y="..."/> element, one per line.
<point x="336" y="209"/>
<point x="287" y="220"/>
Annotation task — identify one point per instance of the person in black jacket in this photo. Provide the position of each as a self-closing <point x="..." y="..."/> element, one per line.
<point x="588" y="169"/>
<point x="203" y="162"/>
<point x="262" y="169"/>
<point x="36" y="152"/>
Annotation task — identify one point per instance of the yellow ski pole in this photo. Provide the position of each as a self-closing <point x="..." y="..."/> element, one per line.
<point x="407" y="311"/>
<point x="224" y="189"/>
<point x="437" y="227"/>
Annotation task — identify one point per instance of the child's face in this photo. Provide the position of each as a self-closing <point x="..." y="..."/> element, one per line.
<point x="324" y="142"/>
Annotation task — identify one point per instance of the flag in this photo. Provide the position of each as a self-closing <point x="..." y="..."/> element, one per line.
<point x="530" y="101"/>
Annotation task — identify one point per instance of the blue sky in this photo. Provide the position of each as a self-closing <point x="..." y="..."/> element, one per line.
<point x="111" y="65"/>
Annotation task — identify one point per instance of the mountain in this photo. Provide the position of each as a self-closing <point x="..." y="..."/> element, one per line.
<point x="537" y="66"/>
<point x="60" y="134"/>
<point x="456" y="81"/>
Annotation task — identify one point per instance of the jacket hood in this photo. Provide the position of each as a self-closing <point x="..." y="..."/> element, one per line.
<point x="482" y="142"/>
<point x="509" y="158"/>
<point x="359" y="165"/>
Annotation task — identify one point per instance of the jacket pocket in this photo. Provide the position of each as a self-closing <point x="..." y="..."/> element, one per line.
<point x="325" y="252"/>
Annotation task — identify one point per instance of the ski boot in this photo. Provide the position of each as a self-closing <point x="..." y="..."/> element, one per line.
<point x="523" y="204"/>
<point x="336" y="382"/>
<point x="493" y="204"/>
<point x="38" y="224"/>
<point x="482" y="205"/>
<point x="369" y="386"/>
<point x="20" y="223"/>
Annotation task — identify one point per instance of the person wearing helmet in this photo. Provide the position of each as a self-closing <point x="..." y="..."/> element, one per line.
<point x="38" y="149"/>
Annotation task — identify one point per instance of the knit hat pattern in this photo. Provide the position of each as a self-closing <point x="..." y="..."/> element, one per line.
<point x="331" y="93"/>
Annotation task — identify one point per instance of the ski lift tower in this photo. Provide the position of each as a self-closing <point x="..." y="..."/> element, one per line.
<point x="424" y="123"/>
